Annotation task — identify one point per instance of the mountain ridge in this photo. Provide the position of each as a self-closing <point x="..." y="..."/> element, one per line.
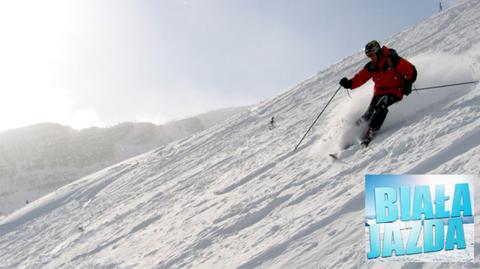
<point x="37" y="159"/>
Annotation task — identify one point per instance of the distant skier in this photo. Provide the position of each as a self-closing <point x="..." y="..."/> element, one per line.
<point x="393" y="77"/>
<point x="272" y="124"/>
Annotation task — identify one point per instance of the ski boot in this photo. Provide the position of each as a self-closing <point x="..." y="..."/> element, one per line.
<point x="368" y="137"/>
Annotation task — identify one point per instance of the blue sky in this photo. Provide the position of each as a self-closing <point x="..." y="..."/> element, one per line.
<point x="96" y="63"/>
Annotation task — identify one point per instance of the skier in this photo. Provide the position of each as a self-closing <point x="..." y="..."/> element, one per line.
<point x="393" y="77"/>
<point x="272" y="124"/>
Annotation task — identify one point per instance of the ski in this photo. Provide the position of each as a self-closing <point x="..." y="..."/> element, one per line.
<point x="347" y="151"/>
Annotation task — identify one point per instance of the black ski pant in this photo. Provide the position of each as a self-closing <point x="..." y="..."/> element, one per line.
<point x="378" y="109"/>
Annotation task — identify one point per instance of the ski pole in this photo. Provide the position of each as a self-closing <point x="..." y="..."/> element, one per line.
<point x="311" y="126"/>
<point x="443" y="86"/>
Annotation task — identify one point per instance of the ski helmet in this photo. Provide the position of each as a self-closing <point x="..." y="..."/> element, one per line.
<point x="372" y="46"/>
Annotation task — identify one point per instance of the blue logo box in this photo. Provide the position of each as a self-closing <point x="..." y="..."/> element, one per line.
<point x="425" y="218"/>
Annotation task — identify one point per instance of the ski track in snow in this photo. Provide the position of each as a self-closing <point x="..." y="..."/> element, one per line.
<point x="237" y="196"/>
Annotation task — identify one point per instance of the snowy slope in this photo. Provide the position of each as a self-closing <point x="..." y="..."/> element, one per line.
<point x="237" y="196"/>
<point x="38" y="159"/>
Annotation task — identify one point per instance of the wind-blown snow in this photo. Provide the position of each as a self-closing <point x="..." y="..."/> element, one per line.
<point x="237" y="196"/>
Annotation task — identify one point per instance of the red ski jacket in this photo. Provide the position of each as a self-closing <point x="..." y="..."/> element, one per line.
<point x="390" y="73"/>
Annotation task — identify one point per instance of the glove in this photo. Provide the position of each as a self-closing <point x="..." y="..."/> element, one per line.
<point x="346" y="83"/>
<point x="407" y="88"/>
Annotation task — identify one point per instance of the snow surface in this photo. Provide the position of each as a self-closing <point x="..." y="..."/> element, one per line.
<point x="237" y="196"/>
